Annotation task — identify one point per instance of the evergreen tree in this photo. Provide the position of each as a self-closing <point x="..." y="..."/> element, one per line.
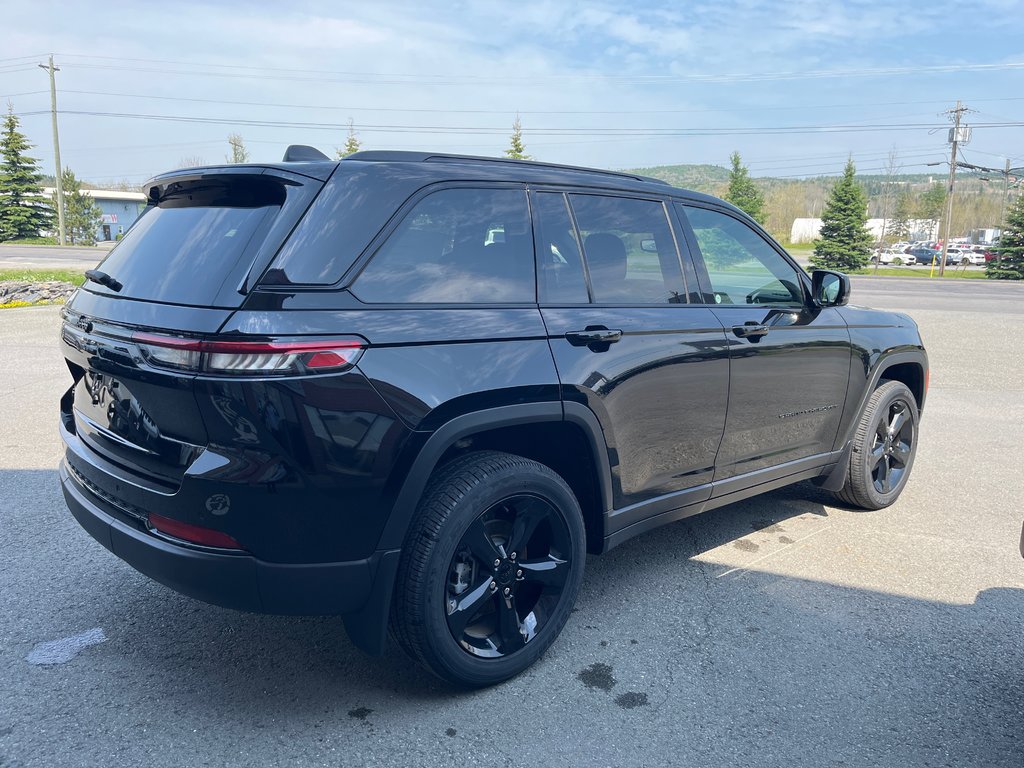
<point x="23" y="209"/>
<point x="516" y="150"/>
<point x="845" y="242"/>
<point x="899" y="224"/>
<point x="1009" y="262"/>
<point x="743" y="193"/>
<point x="352" y="143"/>
<point x="82" y="215"/>
<point x="239" y="154"/>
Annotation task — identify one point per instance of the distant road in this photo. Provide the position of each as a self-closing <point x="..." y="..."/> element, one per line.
<point x="49" y="257"/>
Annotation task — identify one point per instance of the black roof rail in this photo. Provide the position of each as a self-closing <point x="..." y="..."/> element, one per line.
<point x="402" y="156"/>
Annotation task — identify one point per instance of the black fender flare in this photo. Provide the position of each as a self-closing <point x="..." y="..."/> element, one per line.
<point x="836" y="479"/>
<point x="467" y="424"/>
<point x="368" y="627"/>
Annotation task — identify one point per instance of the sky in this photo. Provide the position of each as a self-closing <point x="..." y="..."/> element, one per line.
<point x="796" y="87"/>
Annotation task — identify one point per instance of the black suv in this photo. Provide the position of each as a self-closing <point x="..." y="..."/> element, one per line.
<point x="415" y="390"/>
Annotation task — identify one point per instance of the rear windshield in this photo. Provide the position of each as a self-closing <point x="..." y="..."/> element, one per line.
<point x="184" y="248"/>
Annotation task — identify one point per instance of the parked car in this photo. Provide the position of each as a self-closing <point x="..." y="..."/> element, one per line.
<point x="890" y="256"/>
<point x="922" y="255"/>
<point x="330" y="387"/>
<point x="963" y="255"/>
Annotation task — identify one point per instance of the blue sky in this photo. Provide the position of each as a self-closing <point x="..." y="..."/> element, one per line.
<point x="595" y="83"/>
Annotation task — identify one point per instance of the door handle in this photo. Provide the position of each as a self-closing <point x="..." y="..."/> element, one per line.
<point x="750" y="330"/>
<point x="593" y="335"/>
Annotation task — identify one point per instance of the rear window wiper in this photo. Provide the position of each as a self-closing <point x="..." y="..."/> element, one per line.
<point x="103" y="279"/>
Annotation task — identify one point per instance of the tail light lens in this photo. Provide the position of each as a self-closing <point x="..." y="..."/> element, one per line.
<point x="281" y="357"/>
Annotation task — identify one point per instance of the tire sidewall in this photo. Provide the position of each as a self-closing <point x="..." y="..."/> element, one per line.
<point x="440" y="643"/>
<point x="899" y="391"/>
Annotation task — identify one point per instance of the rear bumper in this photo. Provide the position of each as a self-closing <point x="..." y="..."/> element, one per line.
<point x="231" y="580"/>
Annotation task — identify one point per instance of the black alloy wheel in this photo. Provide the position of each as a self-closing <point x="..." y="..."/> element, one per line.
<point x="490" y="568"/>
<point x="507" y="576"/>
<point x="883" y="448"/>
<point x="892" y="448"/>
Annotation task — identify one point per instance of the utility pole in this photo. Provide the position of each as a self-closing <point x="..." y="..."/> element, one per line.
<point x="56" y="150"/>
<point x="1006" y="195"/>
<point x="955" y="115"/>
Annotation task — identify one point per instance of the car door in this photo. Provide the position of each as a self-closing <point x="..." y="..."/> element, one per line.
<point x="629" y="346"/>
<point x="789" y="361"/>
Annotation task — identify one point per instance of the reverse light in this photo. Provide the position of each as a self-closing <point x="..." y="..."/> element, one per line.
<point x="250" y="357"/>
<point x="195" y="534"/>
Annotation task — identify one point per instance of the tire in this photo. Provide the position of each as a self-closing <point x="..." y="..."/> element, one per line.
<point x="879" y="468"/>
<point x="449" y="610"/>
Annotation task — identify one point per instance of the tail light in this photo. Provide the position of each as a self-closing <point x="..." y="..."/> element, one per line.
<point x="281" y="357"/>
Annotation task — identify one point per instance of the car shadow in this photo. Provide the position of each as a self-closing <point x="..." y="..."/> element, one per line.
<point x="763" y="669"/>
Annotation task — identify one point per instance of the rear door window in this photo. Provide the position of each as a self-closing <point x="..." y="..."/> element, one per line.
<point x="456" y="246"/>
<point x="560" y="275"/>
<point x="629" y="249"/>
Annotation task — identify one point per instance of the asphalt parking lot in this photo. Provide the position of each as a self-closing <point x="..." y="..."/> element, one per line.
<point x="781" y="631"/>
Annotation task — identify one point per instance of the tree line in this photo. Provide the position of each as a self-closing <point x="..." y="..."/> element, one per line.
<point x="844" y="243"/>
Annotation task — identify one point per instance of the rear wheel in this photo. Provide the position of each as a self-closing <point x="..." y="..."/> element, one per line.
<point x="883" y="448"/>
<point x="490" y="569"/>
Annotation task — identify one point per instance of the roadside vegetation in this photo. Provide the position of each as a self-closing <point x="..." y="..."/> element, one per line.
<point x="42" y="276"/>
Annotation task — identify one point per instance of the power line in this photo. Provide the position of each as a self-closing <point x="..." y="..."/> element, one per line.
<point x="541" y="131"/>
<point x="249" y="71"/>
<point x="437" y="110"/>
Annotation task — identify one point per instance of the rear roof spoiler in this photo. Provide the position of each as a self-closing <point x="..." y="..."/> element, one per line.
<point x="300" y="153"/>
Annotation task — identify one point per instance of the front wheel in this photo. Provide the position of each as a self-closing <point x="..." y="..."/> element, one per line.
<point x="883" y="448"/>
<point x="490" y="568"/>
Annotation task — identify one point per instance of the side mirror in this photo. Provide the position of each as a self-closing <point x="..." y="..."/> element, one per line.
<point x="648" y="246"/>
<point x="829" y="289"/>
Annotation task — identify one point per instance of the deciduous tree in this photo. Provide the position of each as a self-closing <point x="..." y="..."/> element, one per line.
<point x="239" y="154"/>
<point x="82" y="215"/>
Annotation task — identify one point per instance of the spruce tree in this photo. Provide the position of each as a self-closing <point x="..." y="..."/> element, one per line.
<point x="82" y="215"/>
<point x="352" y="143"/>
<point x="516" y="150"/>
<point x="743" y="193"/>
<point x="23" y="209"/>
<point x="1009" y="261"/>
<point x="845" y="242"/>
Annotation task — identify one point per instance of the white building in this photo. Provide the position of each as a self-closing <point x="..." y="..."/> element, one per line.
<point x="120" y="209"/>
<point x="808" y="230"/>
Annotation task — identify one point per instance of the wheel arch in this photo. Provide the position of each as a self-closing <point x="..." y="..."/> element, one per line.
<point x="367" y="628"/>
<point x="521" y="429"/>
<point x="910" y="368"/>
